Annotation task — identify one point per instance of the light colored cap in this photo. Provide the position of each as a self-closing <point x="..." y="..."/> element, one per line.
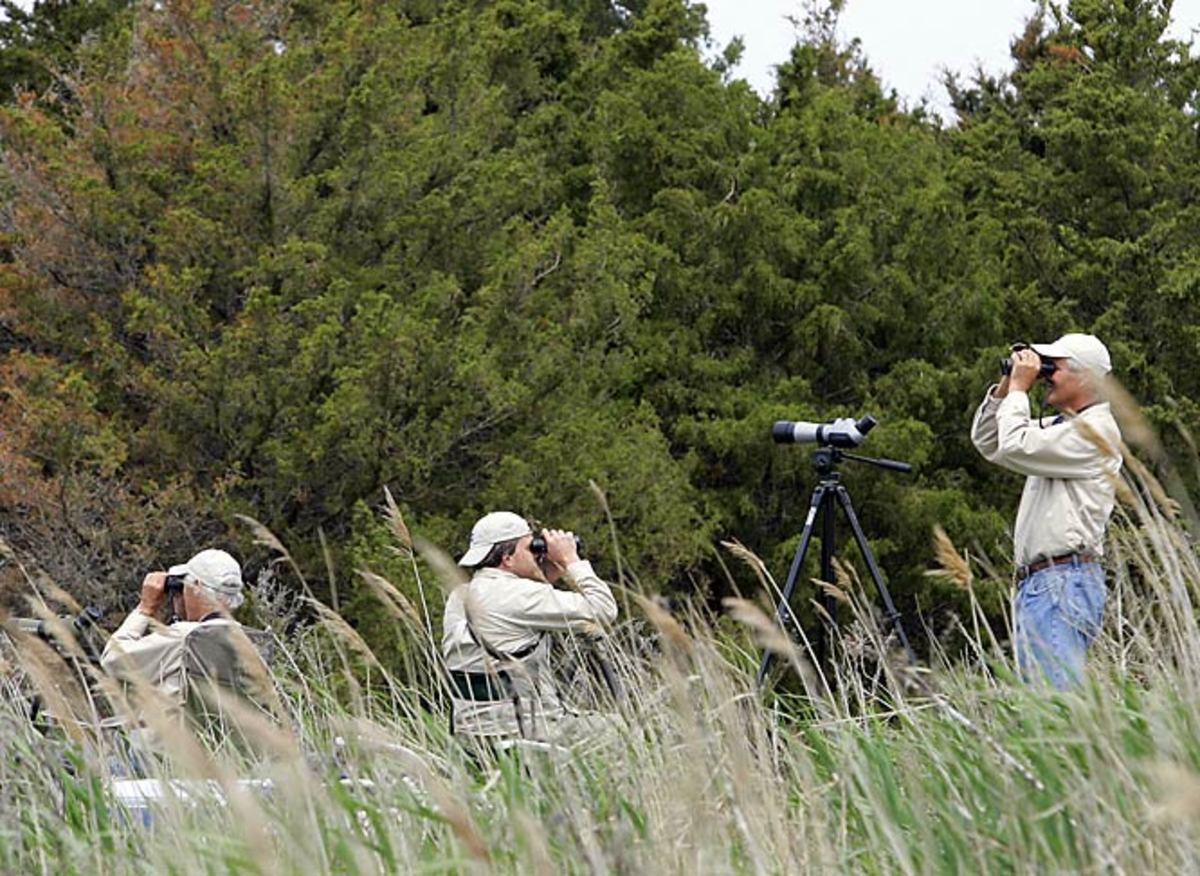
<point x="217" y="572"/>
<point x="490" y="530"/>
<point x="1087" y="350"/>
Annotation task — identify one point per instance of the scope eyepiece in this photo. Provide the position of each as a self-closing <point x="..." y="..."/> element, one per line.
<point x="844" y="432"/>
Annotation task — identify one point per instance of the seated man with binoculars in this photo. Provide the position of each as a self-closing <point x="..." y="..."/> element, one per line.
<point x="202" y="643"/>
<point x="1071" y="465"/>
<point x="496" y="633"/>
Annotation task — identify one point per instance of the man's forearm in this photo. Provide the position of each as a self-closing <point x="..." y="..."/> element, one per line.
<point x="131" y="631"/>
<point x="133" y="627"/>
<point x="1001" y="388"/>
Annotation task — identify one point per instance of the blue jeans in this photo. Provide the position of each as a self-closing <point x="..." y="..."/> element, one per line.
<point x="1057" y="614"/>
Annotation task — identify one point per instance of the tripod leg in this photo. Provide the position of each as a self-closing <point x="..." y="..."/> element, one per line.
<point x="828" y="601"/>
<point x="783" y="614"/>
<point x="893" y="616"/>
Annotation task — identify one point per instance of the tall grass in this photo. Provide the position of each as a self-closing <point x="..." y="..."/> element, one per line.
<point x="868" y="766"/>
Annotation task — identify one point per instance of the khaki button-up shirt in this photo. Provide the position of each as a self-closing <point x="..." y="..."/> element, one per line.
<point x="1071" y="470"/>
<point x="510" y="614"/>
<point x="164" y="656"/>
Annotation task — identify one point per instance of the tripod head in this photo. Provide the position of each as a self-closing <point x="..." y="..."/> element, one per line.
<point x="825" y="460"/>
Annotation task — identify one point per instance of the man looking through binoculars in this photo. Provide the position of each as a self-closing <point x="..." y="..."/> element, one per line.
<point x="496" y="632"/>
<point x="204" y="642"/>
<point x="1071" y="465"/>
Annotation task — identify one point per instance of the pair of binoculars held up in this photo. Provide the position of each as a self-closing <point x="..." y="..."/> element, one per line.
<point x="538" y="546"/>
<point x="1047" y="368"/>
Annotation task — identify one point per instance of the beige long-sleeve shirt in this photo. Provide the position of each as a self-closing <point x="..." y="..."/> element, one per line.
<point x="168" y="655"/>
<point x="1070" y="467"/>
<point x="509" y="614"/>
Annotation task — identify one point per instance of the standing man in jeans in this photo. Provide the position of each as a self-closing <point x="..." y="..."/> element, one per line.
<point x="1071" y="464"/>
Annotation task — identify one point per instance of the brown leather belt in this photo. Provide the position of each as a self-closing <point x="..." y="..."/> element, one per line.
<point x="1025" y="571"/>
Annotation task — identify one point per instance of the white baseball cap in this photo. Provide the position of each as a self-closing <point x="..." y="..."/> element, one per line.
<point x="217" y="571"/>
<point x="491" y="529"/>
<point x="1087" y="350"/>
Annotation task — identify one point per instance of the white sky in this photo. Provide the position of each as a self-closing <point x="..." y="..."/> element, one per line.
<point x="907" y="42"/>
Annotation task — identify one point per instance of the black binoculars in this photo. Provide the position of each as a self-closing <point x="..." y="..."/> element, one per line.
<point x="538" y="546"/>
<point x="1047" y="368"/>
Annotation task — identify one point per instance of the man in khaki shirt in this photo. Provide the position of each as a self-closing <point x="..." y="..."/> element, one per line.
<point x="1071" y="466"/>
<point x="204" y="644"/>
<point x="496" y="630"/>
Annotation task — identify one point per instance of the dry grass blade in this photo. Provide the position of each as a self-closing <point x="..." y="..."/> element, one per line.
<point x="533" y="833"/>
<point x="396" y="603"/>
<point x="598" y="492"/>
<point x="754" y="561"/>
<point x="1135" y="428"/>
<point x="832" y="589"/>
<point x="847" y="575"/>
<point x="377" y="739"/>
<point x="266" y="538"/>
<point x="954" y="566"/>
<point x="450" y="573"/>
<point x="262" y="535"/>
<point x="622" y="573"/>
<point x="256" y="676"/>
<point x="1178" y="791"/>
<point x="62" y="699"/>
<point x="767" y="633"/>
<point x="449" y="806"/>
<point x="1125" y="494"/>
<point x="330" y="573"/>
<point x="337" y="625"/>
<point x="822" y="612"/>
<point x="396" y="520"/>
<point x="770" y="637"/>
<point x="1169" y="507"/>
<point x="62" y="597"/>
<point x="1093" y="436"/>
<point x="174" y="737"/>
<point x="665" y="623"/>
<point x="264" y="735"/>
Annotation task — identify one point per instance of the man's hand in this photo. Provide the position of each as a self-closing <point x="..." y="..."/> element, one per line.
<point x="560" y="547"/>
<point x="154" y="594"/>
<point x="1026" y="365"/>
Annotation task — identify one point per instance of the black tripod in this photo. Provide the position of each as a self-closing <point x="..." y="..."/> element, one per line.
<point x="828" y="491"/>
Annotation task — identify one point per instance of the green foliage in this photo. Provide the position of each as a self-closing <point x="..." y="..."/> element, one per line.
<point x="488" y="253"/>
<point x="39" y="40"/>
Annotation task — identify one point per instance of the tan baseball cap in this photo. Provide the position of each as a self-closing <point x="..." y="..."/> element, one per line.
<point x="1087" y="350"/>
<point x="217" y="571"/>
<point x="491" y="529"/>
